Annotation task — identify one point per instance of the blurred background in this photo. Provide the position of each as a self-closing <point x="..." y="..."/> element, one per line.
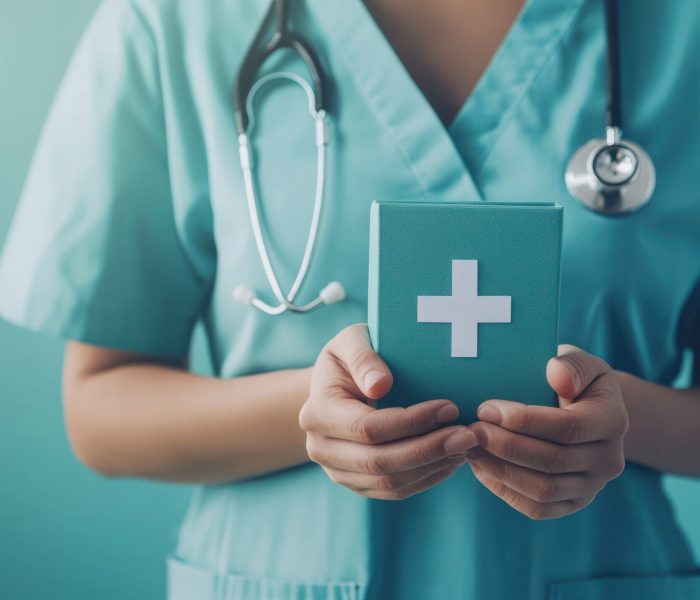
<point x="66" y="533"/>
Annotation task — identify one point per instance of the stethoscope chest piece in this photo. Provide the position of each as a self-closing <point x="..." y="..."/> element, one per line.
<point x="611" y="176"/>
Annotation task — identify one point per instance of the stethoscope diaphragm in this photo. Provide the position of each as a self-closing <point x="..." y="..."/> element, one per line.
<point x="611" y="176"/>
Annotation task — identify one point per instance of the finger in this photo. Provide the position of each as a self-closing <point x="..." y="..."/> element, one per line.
<point x="573" y="370"/>
<point x="370" y="373"/>
<point x="533" y="453"/>
<point x="392" y="457"/>
<point x="523" y="504"/>
<point x="532" y="484"/>
<point x="588" y="423"/>
<point x="391" y="481"/>
<point x="353" y="420"/>
<point x="411" y="490"/>
<point x="603" y="403"/>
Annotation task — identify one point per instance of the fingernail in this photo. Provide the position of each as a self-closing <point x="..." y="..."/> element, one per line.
<point x="458" y="443"/>
<point x="373" y="377"/>
<point x="489" y="413"/>
<point x="572" y="371"/>
<point x="446" y="414"/>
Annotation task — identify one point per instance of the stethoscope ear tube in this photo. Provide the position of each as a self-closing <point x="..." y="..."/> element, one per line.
<point x="277" y="18"/>
<point x="333" y="292"/>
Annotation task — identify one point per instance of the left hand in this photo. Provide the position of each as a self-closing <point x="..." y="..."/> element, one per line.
<point x="548" y="462"/>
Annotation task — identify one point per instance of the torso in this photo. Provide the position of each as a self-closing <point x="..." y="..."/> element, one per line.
<point x="445" y="45"/>
<point x="624" y="282"/>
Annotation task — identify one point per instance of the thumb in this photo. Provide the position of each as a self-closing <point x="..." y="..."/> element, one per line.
<point x="572" y="371"/>
<point x="369" y="372"/>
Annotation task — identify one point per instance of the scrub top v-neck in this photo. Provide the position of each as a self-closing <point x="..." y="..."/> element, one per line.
<point x="133" y="226"/>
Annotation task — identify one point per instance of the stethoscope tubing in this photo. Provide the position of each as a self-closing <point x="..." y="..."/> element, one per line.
<point x="583" y="181"/>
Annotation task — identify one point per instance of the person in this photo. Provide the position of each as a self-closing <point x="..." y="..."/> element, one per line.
<point x="133" y="227"/>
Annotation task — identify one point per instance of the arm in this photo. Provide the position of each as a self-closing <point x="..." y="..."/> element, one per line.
<point x="664" y="431"/>
<point x="130" y="415"/>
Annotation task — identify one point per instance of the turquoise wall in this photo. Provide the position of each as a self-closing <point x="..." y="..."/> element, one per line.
<point x="65" y="533"/>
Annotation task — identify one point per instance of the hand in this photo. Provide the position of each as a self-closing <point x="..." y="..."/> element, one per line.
<point x="390" y="453"/>
<point x="549" y="462"/>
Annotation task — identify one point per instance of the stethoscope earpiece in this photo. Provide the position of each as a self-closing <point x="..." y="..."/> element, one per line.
<point x="333" y="293"/>
<point x="243" y="294"/>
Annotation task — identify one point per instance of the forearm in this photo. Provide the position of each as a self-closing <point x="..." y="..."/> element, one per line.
<point x="664" y="431"/>
<point x="147" y="420"/>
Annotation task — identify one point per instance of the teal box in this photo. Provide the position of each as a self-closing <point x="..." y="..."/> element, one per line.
<point x="464" y="300"/>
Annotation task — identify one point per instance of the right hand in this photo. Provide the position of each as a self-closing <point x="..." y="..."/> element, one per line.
<point x="389" y="454"/>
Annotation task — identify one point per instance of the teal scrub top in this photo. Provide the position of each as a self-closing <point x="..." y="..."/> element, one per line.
<point x="133" y="226"/>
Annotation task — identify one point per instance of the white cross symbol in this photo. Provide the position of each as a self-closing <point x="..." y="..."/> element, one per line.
<point x="464" y="309"/>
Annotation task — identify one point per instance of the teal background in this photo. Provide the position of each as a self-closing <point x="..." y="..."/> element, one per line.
<point x="66" y="533"/>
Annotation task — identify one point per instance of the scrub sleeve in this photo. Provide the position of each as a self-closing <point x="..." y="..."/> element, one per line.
<point x="95" y="252"/>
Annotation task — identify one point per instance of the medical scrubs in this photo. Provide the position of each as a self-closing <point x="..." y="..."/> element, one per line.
<point x="133" y="226"/>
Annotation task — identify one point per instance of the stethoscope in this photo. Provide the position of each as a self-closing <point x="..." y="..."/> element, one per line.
<point x="610" y="175"/>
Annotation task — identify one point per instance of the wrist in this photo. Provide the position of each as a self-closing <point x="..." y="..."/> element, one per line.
<point x="638" y="429"/>
<point x="649" y="430"/>
<point x="301" y="380"/>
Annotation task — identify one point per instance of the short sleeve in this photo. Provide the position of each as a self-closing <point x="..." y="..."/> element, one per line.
<point x="689" y="331"/>
<point x="94" y="253"/>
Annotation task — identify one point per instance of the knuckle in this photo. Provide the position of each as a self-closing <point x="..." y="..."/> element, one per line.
<point x="305" y="418"/>
<point x="558" y="461"/>
<point x="411" y="420"/>
<point x="361" y="358"/>
<point x="422" y="454"/>
<point x="364" y="431"/>
<point x="510" y="450"/>
<point x="616" y="466"/>
<point x="312" y="449"/>
<point x="372" y="464"/>
<point x="575" y="428"/>
<point x="581" y="503"/>
<point x="578" y="369"/>
<point x="522" y="420"/>
<point x="545" y="489"/>
<point x="342" y="337"/>
<point x="505" y="493"/>
<point x="387" y="483"/>
<point x="499" y="469"/>
<point x="334" y="477"/>
<point x="513" y="420"/>
<point x="603" y="365"/>
<point x="538" y="512"/>
<point x="395" y="494"/>
<point x="623" y="424"/>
